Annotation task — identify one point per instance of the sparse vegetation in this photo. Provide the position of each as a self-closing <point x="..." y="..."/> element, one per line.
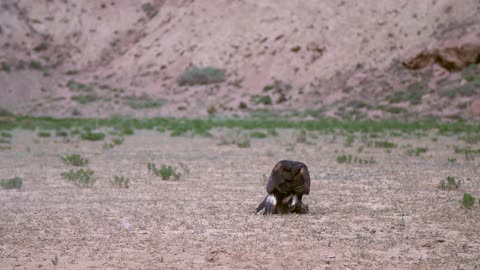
<point x="265" y="100"/>
<point x="236" y="137"/>
<point x="413" y="95"/>
<point x="75" y="160"/>
<point x="84" y="99"/>
<point x="44" y="134"/>
<point x="79" y="87"/>
<point x="12" y="183"/>
<point x="417" y="151"/>
<point x="165" y="171"/>
<point x="349" y="140"/>
<point x="5" y="67"/>
<point x="449" y="183"/>
<point x="92" y="136"/>
<point x="144" y="102"/>
<point x="349" y="159"/>
<point x="201" y="76"/>
<point x="258" y="135"/>
<point x="381" y="144"/>
<point x="118" y="140"/>
<point x="80" y="178"/>
<point x="466" y="90"/>
<point x="120" y="182"/>
<point x="468" y="200"/>
<point x="470" y="138"/>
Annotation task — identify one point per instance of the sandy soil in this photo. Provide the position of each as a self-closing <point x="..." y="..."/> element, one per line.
<point x="389" y="215"/>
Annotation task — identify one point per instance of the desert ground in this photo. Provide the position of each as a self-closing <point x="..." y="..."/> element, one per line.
<point x="387" y="215"/>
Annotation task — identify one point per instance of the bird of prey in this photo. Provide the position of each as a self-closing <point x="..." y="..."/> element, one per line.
<point x="287" y="184"/>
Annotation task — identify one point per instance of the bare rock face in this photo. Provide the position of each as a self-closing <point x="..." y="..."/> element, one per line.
<point x="451" y="55"/>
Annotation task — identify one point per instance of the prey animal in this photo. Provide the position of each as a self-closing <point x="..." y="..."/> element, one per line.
<point x="287" y="184"/>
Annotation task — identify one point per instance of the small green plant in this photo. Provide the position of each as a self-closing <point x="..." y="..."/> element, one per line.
<point x="92" y="136"/>
<point x="468" y="200"/>
<point x="36" y="65"/>
<point x="382" y="144"/>
<point x="118" y="140"/>
<point x="241" y="139"/>
<point x="12" y="183"/>
<point x="449" y="183"/>
<point x="470" y="138"/>
<point x="349" y="159"/>
<point x="200" y="76"/>
<point x="413" y="95"/>
<point x="84" y="99"/>
<point x="165" y="171"/>
<point x="5" y="67"/>
<point x="265" y="100"/>
<point x="61" y="133"/>
<point x="75" y="160"/>
<point x="79" y="87"/>
<point x="144" y="102"/>
<point x="80" y="178"/>
<point x="44" y="134"/>
<point x="120" y="182"/>
<point x="258" y="135"/>
<point x="452" y="160"/>
<point x="417" y="151"/>
<point x="5" y="135"/>
<point x="349" y="140"/>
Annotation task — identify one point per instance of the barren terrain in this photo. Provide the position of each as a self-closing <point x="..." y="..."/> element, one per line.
<point x="71" y="58"/>
<point x="386" y="215"/>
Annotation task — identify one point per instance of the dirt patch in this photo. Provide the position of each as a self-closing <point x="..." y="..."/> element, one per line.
<point x="388" y="215"/>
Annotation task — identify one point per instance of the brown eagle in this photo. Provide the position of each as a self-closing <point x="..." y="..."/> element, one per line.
<point x="287" y="184"/>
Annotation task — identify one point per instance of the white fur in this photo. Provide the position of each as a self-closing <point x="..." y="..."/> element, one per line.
<point x="294" y="200"/>
<point x="271" y="199"/>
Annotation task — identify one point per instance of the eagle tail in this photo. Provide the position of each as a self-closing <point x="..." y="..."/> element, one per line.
<point x="268" y="205"/>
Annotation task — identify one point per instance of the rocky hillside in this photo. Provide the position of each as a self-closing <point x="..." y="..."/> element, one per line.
<point x="351" y="59"/>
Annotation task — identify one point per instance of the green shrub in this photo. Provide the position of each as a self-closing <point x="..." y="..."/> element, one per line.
<point x="201" y="76"/>
<point x="468" y="200"/>
<point x="36" y="65"/>
<point x="118" y="140"/>
<point x="12" y="183"/>
<point x="449" y="183"/>
<point x="120" y="182"/>
<point x="44" y="134"/>
<point x="92" y="136"/>
<point x="469" y="89"/>
<point x="349" y="140"/>
<point x="79" y="87"/>
<point x="166" y="172"/>
<point x="80" y="178"/>
<point x="413" y="95"/>
<point x="5" y="67"/>
<point x="382" y="144"/>
<point x="258" y="135"/>
<point x="6" y="135"/>
<point x="144" y="102"/>
<point x="75" y="160"/>
<point x="84" y="99"/>
<point x="349" y="159"/>
<point x="61" y="133"/>
<point x="265" y="100"/>
<point x="416" y="151"/>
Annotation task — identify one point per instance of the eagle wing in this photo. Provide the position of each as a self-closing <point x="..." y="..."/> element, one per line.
<point x="289" y="176"/>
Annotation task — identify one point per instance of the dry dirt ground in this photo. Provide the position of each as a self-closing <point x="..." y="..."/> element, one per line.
<point x="389" y="215"/>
